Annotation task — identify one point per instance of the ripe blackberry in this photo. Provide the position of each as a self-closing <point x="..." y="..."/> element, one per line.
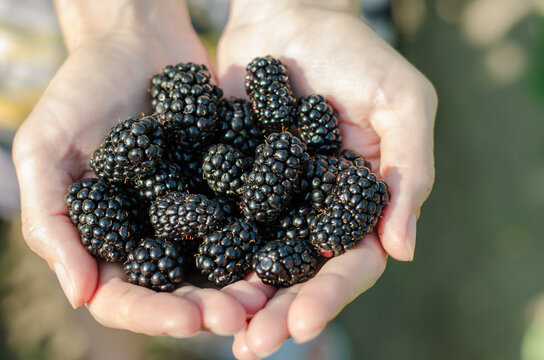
<point x="357" y="202"/>
<point x="225" y="169"/>
<point x="317" y="123"/>
<point x="177" y="216"/>
<point x="294" y="224"/>
<point x="271" y="97"/>
<point x="237" y="126"/>
<point x="230" y="209"/>
<point x="166" y="177"/>
<point x="103" y="219"/>
<point x="355" y="159"/>
<point x="225" y="256"/>
<point x="335" y="230"/>
<point x="132" y="150"/>
<point x="156" y="264"/>
<point x="274" y="176"/>
<point x="191" y="168"/>
<point x="137" y="207"/>
<point x="186" y="101"/>
<point x="319" y="175"/>
<point x="359" y="188"/>
<point x="285" y="262"/>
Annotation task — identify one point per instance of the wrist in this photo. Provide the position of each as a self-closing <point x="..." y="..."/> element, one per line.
<point x="256" y="10"/>
<point x="81" y="20"/>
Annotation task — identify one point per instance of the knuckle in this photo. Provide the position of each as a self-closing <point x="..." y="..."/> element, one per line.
<point x="31" y="235"/>
<point x="427" y="178"/>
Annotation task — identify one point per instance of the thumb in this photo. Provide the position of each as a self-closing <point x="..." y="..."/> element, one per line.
<point x="407" y="165"/>
<point x="47" y="228"/>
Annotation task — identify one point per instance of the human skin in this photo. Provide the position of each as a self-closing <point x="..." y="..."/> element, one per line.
<point x="113" y="49"/>
<point x="387" y="110"/>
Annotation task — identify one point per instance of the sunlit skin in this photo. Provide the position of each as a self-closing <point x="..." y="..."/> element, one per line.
<point x="387" y="110"/>
<point x="104" y="79"/>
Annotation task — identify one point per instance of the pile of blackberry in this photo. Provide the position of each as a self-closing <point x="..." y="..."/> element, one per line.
<point x="222" y="186"/>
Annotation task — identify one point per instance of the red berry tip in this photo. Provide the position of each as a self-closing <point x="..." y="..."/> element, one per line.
<point x="326" y="253"/>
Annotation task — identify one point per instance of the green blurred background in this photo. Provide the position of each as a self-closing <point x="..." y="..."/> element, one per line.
<point x="473" y="290"/>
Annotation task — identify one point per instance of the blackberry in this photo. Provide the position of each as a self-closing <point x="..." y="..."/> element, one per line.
<point x="137" y="207"/>
<point x="294" y="224"/>
<point x="231" y="211"/>
<point x="191" y="168"/>
<point x="335" y="230"/>
<point x="271" y="97"/>
<point x="156" y="264"/>
<point x="360" y="189"/>
<point x="285" y="262"/>
<point x="186" y="101"/>
<point x="225" y="256"/>
<point x="132" y="150"/>
<point x="177" y="216"/>
<point x="274" y="176"/>
<point x="355" y="159"/>
<point x="225" y="169"/>
<point x="102" y="218"/>
<point x="166" y="177"/>
<point x="357" y="202"/>
<point x="317" y="123"/>
<point x="237" y="126"/>
<point x="320" y="172"/>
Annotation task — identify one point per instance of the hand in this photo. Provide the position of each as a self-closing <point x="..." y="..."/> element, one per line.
<point x="104" y="79"/>
<point x="387" y="111"/>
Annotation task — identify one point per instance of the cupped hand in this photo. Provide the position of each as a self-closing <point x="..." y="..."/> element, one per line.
<point x="387" y="111"/>
<point x="102" y="81"/>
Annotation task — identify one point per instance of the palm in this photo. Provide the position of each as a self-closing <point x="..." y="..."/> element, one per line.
<point x="349" y="78"/>
<point x="335" y="55"/>
<point x="100" y="83"/>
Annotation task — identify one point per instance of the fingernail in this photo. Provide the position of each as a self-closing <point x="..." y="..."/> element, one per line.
<point x="65" y="283"/>
<point x="411" y="236"/>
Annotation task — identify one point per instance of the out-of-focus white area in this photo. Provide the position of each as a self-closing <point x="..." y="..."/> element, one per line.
<point x="30" y="52"/>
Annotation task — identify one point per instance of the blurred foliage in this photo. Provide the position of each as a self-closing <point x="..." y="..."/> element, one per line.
<point x="478" y="260"/>
<point x="536" y="74"/>
<point x="5" y="351"/>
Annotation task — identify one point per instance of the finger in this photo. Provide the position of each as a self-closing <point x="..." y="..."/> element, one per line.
<point x="48" y="230"/>
<point x="338" y="282"/>
<point x="240" y="349"/>
<point x="119" y="304"/>
<point x="251" y="293"/>
<point x="267" y="330"/>
<point x="221" y="313"/>
<point x="407" y="165"/>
